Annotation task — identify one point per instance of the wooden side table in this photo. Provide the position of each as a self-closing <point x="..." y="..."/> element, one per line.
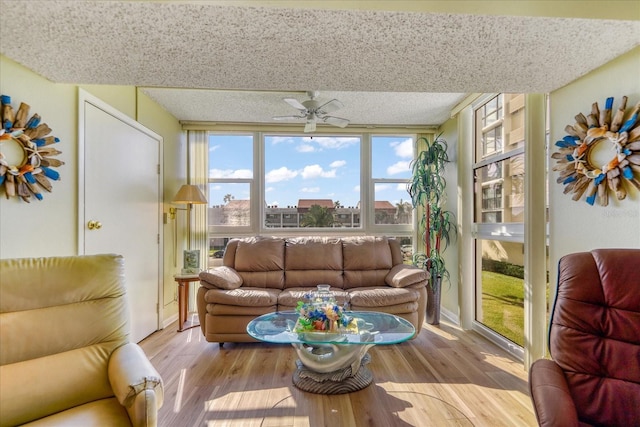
<point x="183" y="300"/>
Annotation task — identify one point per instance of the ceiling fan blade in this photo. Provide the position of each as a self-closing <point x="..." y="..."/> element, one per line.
<point x="287" y="117"/>
<point x="336" y="121"/>
<point x="330" y="106"/>
<point x="295" y="103"/>
<point x="310" y="126"/>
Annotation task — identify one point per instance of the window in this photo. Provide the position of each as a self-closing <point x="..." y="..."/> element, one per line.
<point x="490" y="115"/>
<point x="499" y="215"/>
<point x="230" y="181"/>
<point x="313" y="180"/>
<point x="391" y="172"/>
<point x="264" y="183"/>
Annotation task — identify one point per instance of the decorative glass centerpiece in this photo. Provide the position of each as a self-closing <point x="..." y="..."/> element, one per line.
<point x="321" y="313"/>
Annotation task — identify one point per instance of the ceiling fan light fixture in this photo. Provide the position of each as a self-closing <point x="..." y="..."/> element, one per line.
<point x="313" y="111"/>
<point x="310" y="126"/>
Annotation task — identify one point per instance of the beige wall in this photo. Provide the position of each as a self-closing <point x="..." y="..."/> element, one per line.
<point x="174" y="166"/>
<point x="577" y="226"/>
<point x="49" y="227"/>
<point x="450" y="291"/>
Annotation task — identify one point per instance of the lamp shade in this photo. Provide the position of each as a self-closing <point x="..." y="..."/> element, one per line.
<point x="189" y="194"/>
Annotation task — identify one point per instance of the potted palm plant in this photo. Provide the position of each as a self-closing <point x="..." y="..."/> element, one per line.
<point x="436" y="226"/>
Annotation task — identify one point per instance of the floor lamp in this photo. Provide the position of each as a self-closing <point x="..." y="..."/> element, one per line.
<point x="188" y="195"/>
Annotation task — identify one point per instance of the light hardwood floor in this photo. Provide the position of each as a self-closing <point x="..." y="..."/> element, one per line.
<point x="445" y="377"/>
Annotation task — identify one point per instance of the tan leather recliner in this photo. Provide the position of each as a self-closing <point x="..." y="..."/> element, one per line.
<point x="65" y="355"/>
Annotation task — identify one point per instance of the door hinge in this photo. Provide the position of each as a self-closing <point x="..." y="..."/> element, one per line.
<point x="158" y="168"/>
<point x="158" y="240"/>
<point x="157" y="307"/>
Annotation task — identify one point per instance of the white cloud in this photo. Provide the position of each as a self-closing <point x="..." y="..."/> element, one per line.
<point x="230" y="173"/>
<point x="402" y="187"/>
<point x="382" y="187"/>
<point x="335" y="143"/>
<point x="213" y="148"/>
<point x="399" y="167"/>
<point x="404" y="148"/>
<point x="356" y="188"/>
<point x="305" y="148"/>
<point x="337" y="164"/>
<point x="269" y="189"/>
<point x="280" y="174"/>
<point x="316" y="171"/>
<point x="310" y="190"/>
<point x="278" y="139"/>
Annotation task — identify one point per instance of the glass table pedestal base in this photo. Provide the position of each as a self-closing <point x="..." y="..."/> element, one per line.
<point x="332" y="363"/>
<point x="338" y="382"/>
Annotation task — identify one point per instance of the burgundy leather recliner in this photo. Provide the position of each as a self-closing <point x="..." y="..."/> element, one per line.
<point x="594" y="340"/>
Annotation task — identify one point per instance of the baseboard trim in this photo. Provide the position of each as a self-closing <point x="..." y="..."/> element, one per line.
<point x="450" y="316"/>
<point x="170" y="320"/>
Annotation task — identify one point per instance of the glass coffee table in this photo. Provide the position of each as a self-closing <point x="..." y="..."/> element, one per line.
<point x="332" y="363"/>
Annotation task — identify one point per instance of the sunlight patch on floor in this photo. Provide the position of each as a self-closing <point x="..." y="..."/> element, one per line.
<point x="178" y="403"/>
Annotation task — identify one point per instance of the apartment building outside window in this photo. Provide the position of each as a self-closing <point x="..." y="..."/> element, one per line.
<point x="499" y="215"/>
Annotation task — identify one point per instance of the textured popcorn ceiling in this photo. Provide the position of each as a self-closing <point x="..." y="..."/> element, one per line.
<point x="387" y="67"/>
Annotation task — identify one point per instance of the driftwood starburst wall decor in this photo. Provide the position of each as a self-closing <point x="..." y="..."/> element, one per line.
<point x="26" y="153"/>
<point x="600" y="154"/>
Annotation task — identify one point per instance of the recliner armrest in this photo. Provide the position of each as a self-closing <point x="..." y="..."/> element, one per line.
<point x="550" y="394"/>
<point x="136" y="384"/>
<point x="220" y="278"/>
<point x="404" y="275"/>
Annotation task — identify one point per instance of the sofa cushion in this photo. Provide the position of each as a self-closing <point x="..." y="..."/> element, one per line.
<point x="310" y="261"/>
<point x="288" y="298"/>
<point x="366" y="253"/>
<point x="260" y="254"/>
<point x="262" y="279"/>
<point x="403" y="275"/>
<point x="237" y="310"/>
<point x="313" y="253"/>
<point x="364" y="278"/>
<point x="404" y="310"/>
<point x="311" y="278"/>
<point x="243" y="296"/>
<point x="222" y="277"/>
<point x="260" y="262"/>
<point x="382" y="297"/>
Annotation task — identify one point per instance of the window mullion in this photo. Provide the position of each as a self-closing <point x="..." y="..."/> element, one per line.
<point x="367" y="195"/>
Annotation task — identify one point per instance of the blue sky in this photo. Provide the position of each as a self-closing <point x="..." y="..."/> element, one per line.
<point x="309" y="167"/>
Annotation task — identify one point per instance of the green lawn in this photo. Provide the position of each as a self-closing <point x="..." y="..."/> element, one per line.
<point x="503" y="305"/>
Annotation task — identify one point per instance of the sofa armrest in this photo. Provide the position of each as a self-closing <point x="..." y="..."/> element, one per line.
<point x="136" y="384"/>
<point x="221" y="278"/>
<point x="550" y="395"/>
<point x="403" y="275"/>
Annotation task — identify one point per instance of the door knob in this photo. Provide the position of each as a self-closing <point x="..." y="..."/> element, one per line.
<point x="94" y="225"/>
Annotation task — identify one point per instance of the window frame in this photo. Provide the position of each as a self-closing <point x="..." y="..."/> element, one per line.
<point x="257" y="185"/>
<point x="513" y="232"/>
<point x="228" y="230"/>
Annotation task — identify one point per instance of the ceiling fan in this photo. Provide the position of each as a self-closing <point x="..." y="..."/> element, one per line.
<point x="313" y="111"/>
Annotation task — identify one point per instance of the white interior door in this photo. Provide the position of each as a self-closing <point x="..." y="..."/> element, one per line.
<point x="120" y="189"/>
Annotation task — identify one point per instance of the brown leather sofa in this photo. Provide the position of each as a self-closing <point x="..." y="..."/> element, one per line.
<point x="266" y="274"/>
<point x="594" y="340"/>
<point x="65" y="355"/>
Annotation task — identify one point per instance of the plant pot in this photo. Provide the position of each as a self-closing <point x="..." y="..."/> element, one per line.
<point x="434" y="294"/>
